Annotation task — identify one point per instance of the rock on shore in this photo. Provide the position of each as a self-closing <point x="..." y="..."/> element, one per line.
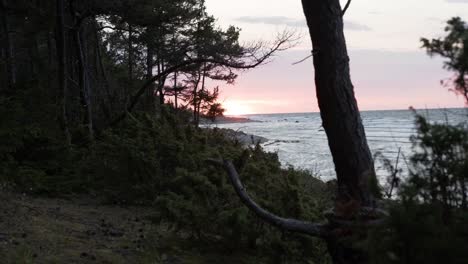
<point x="244" y="138"/>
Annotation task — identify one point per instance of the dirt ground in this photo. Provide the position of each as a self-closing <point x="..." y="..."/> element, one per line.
<point x="85" y="230"/>
<point x="39" y="230"/>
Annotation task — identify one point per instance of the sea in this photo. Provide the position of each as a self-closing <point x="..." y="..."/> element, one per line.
<point x="300" y="141"/>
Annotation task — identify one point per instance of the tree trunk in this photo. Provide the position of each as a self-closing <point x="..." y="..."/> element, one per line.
<point x="161" y="83"/>
<point x="338" y="107"/>
<point x="35" y="61"/>
<point x="200" y="99"/>
<point x="110" y="97"/>
<point x="341" y="119"/>
<point x="175" y="91"/>
<point x="149" y="71"/>
<point x="464" y="191"/>
<point x="195" y="98"/>
<point x="84" y="84"/>
<point x="62" y="69"/>
<point x="8" y="45"/>
<point x="130" y="54"/>
<point x="162" y="79"/>
<point x="88" y="83"/>
<point x="50" y="59"/>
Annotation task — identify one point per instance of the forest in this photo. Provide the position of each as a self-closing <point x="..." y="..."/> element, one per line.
<point x="104" y="158"/>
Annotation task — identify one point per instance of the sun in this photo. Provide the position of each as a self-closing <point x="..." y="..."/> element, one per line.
<point x="236" y="108"/>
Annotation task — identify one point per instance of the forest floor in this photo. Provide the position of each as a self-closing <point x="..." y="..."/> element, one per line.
<point x="84" y="230"/>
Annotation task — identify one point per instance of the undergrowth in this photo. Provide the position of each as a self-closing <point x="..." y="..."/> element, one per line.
<point x="162" y="162"/>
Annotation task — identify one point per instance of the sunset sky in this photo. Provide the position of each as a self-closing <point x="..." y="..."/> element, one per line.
<point x="388" y="68"/>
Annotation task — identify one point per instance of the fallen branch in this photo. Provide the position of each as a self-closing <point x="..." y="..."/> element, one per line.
<point x="286" y="224"/>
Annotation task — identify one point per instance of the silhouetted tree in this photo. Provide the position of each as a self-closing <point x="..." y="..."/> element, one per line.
<point x="454" y="48"/>
<point x="354" y="209"/>
<point x="62" y="67"/>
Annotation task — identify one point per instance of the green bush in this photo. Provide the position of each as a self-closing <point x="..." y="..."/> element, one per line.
<point x="162" y="162"/>
<point x="428" y="220"/>
<point x="31" y="153"/>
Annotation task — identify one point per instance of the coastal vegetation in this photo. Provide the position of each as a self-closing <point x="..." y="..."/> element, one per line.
<point x="101" y="100"/>
<point x="101" y="104"/>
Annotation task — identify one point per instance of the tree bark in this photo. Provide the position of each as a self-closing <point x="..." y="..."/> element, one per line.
<point x="338" y="107"/>
<point x="341" y="119"/>
<point x="62" y="69"/>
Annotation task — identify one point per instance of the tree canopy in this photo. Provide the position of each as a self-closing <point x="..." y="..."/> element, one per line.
<point x="454" y="48"/>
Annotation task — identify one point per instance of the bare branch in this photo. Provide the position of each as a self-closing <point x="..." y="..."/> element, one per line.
<point x="346" y="8"/>
<point x="286" y="224"/>
<point x="251" y="58"/>
<point x="304" y="59"/>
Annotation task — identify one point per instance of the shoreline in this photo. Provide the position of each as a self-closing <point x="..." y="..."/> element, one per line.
<point x="229" y="120"/>
<point x="242" y="137"/>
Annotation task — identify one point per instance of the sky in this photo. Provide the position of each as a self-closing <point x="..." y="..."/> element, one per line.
<point x="388" y="68"/>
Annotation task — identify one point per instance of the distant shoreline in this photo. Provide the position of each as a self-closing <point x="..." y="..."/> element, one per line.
<point x="230" y="119"/>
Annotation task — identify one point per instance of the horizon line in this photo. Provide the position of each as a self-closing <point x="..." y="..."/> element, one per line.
<point x="375" y="110"/>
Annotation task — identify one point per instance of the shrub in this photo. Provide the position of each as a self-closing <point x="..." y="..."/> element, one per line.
<point x="427" y="222"/>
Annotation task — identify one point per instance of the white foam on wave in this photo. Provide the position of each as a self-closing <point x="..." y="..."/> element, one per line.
<point x="301" y="142"/>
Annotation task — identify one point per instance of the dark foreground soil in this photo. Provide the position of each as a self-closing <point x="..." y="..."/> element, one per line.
<point x="39" y="230"/>
<point x="84" y="230"/>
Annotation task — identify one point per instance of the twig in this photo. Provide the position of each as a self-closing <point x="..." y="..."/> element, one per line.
<point x="301" y="61"/>
<point x="394" y="174"/>
<point x="346" y="8"/>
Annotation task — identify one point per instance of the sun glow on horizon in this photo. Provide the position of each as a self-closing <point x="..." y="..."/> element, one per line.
<point x="237" y="108"/>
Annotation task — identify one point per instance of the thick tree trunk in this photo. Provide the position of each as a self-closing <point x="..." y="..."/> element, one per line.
<point x="338" y="107"/>
<point x="8" y="45"/>
<point x="341" y="119"/>
<point x="62" y="69"/>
